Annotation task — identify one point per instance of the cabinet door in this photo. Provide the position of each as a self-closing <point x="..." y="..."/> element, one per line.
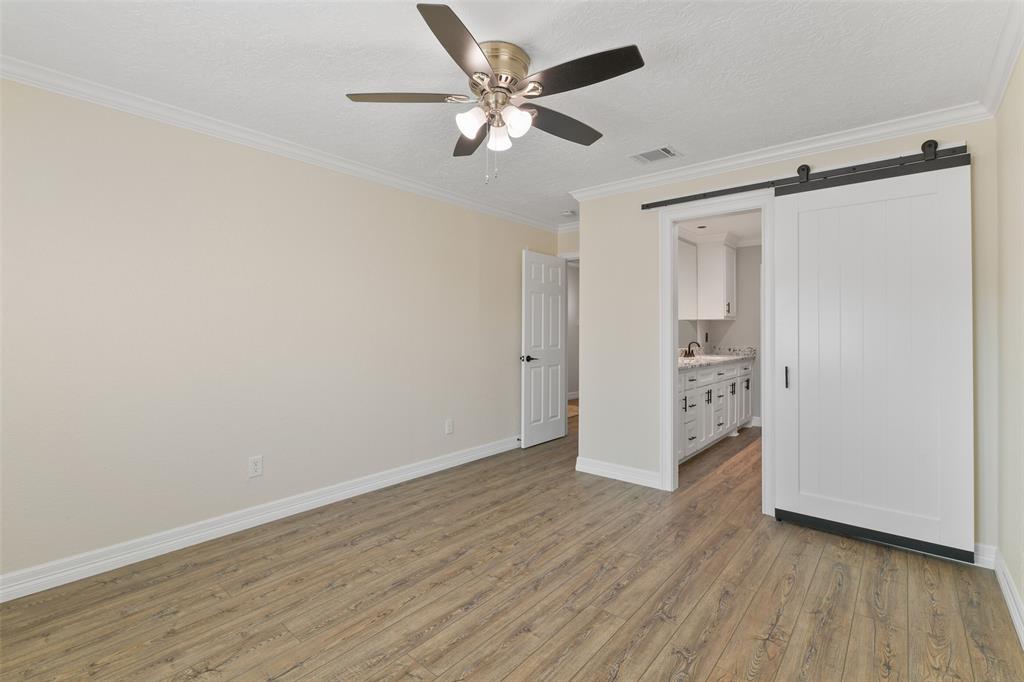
<point x="730" y="282"/>
<point x="746" y="400"/>
<point x="687" y="276"/>
<point x="733" y="404"/>
<point x="707" y="416"/>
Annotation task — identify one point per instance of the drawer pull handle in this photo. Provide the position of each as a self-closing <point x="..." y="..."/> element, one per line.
<point x="721" y="373"/>
<point x="691" y="379"/>
<point x="720" y="423"/>
<point x="692" y="438"/>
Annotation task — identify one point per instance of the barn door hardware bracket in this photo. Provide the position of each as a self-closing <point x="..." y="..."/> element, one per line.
<point x="931" y="158"/>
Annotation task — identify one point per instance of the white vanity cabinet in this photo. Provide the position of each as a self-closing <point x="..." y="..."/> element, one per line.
<point x="713" y="401"/>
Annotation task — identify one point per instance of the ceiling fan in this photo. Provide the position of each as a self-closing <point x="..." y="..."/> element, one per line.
<point x="502" y="90"/>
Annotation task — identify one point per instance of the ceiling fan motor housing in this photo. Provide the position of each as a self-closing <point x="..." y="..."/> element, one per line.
<point x="509" y="62"/>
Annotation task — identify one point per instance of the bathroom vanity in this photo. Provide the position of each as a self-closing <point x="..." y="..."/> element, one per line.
<point x="714" y="397"/>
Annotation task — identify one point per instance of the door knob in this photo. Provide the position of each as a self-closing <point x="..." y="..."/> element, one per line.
<point x="527" y="358"/>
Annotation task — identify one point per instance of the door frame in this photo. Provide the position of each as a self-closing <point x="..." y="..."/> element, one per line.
<point x="668" y="332"/>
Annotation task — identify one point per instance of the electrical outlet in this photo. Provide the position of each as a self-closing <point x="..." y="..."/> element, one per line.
<point x="255" y="466"/>
<point x="449" y="426"/>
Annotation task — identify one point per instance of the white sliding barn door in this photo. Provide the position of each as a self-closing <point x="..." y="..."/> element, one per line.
<point x="543" y="356"/>
<point x="874" y="328"/>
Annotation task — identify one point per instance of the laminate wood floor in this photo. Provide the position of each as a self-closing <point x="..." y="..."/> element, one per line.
<point x="517" y="567"/>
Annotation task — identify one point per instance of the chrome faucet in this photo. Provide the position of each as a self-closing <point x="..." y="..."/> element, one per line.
<point x="688" y="353"/>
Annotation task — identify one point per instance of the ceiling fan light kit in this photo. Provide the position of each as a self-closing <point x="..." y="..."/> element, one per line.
<point x="502" y="86"/>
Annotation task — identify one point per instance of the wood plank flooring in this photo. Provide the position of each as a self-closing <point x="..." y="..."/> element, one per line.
<point x="519" y="568"/>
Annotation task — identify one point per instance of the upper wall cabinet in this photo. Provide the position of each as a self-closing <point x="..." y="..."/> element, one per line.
<point x="707" y="279"/>
<point x="687" y="270"/>
<point x="716" y="280"/>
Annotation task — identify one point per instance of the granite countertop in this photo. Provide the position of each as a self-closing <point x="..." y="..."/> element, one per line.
<point x="709" y="360"/>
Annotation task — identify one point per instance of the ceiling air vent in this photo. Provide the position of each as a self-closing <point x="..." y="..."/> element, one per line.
<point x="659" y="154"/>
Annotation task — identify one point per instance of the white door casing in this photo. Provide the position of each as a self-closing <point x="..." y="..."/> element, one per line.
<point x="873" y="323"/>
<point x="543" y="358"/>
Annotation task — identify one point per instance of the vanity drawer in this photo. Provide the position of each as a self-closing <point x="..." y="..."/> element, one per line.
<point x="745" y="367"/>
<point x="725" y="372"/>
<point x="707" y="375"/>
<point x="719" y="395"/>
<point x="718" y="424"/>
<point x="693" y="401"/>
<point x="688" y="380"/>
<point x="691" y="437"/>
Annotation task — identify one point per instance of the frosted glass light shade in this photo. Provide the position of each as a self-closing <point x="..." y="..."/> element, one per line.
<point x="499" y="140"/>
<point x="469" y="122"/>
<point x="517" y="120"/>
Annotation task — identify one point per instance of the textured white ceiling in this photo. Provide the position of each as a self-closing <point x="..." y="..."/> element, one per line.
<point x="721" y="78"/>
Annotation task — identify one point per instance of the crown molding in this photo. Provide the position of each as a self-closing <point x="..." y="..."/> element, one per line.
<point x="1008" y="50"/>
<point x="876" y="132"/>
<point x="568" y="227"/>
<point x="113" y="98"/>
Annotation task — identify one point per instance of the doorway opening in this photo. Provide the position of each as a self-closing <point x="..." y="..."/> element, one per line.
<point x="714" y="328"/>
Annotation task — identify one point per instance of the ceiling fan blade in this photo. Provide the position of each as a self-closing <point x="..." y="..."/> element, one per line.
<point x="406" y="97"/>
<point x="466" y="146"/>
<point x="587" y="70"/>
<point x="560" y="125"/>
<point x="456" y="39"/>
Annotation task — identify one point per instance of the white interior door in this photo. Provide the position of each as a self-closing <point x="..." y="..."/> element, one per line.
<point x="873" y="367"/>
<point x="543" y="349"/>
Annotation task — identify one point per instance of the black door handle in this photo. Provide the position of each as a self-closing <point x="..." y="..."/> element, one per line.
<point x="527" y="358"/>
<point x="787" y="376"/>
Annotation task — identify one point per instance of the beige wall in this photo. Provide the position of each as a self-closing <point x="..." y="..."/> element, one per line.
<point x="173" y="304"/>
<point x="1010" y="125"/>
<point x="568" y="243"/>
<point x="619" y="307"/>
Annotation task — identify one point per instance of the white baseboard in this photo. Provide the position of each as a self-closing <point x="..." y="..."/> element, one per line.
<point x="985" y="556"/>
<point x="44" y="576"/>
<point x="1011" y="595"/>
<point x="573" y="395"/>
<point x="651" y="479"/>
